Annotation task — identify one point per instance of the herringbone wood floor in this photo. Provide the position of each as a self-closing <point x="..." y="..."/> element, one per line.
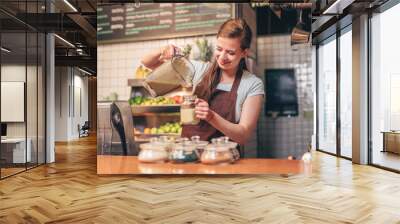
<point x="69" y="191"/>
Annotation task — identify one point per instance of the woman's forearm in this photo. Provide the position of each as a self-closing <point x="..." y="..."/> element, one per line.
<point x="152" y="59"/>
<point x="236" y="132"/>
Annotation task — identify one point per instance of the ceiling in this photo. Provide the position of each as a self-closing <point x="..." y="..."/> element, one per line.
<point x="330" y="16"/>
<point x="73" y="20"/>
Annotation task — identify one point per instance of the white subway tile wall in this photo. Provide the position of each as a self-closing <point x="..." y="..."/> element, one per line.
<point x="286" y="136"/>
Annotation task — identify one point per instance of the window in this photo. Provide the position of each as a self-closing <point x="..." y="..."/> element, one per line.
<point x="385" y="87"/>
<point x="346" y="93"/>
<point x="327" y="96"/>
<point x="23" y="86"/>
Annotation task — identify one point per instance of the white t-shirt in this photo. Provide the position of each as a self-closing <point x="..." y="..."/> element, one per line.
<point x="250" y="85"/>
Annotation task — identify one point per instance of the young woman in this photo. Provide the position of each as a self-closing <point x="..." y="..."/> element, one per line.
<point x="229" y="97"/>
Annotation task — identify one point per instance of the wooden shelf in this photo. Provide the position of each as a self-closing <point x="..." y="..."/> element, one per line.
<point x="140" y="138"/>
<point x="157" y="135"/>
<point x="148" y="114"/>
<point x="140" y="110"/>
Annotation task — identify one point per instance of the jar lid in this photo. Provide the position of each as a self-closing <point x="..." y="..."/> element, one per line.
<point x="189" y="99"/>
<point x="185" y="146"/>
<point x="182" y="139"/>
<point x="166" y="140"/>
<point x="161" y="142"/>
<point x="225" y="140"/>
<point x="217" y="147"/>
<point x="196" y="140"/>
<point x="214" y="141"/>
<point x="151" y="146"/>
<point x="201" y="143"/>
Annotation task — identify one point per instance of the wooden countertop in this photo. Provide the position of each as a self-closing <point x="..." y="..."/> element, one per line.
<point x="107" y="164"/>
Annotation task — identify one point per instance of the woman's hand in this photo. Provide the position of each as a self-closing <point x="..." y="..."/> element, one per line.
<point x="156" y="58"/>
<point x="167" y="52"/>
<point x="203" y="111"/>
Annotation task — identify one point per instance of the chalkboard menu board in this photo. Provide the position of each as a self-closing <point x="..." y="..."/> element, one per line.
<point x="125" y="22"/>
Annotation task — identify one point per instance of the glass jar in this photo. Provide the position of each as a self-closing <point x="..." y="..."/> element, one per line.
<point x="200" y="145"/>
<point x="232" y="146"/>
<point x="188" y="116"/>
<point x="217" y="153"/>
<point x="166" y="141"/>
<point x="185" y="152"/>
<point x="153" y="152"/>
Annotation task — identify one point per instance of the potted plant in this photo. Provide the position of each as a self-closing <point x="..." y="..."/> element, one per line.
<point x="204" y="50"/>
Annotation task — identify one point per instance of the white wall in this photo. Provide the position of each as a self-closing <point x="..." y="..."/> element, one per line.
<point x="79" y="117"/>
<point x="17" y="73"/>
<point x="67" y="115"/>
<point x="14" y="73"/>
<point x="61" y="103"/>
<point x="33" y="127"/>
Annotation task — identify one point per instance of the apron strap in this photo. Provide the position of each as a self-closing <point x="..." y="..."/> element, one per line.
<point x="236" y="83"/>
